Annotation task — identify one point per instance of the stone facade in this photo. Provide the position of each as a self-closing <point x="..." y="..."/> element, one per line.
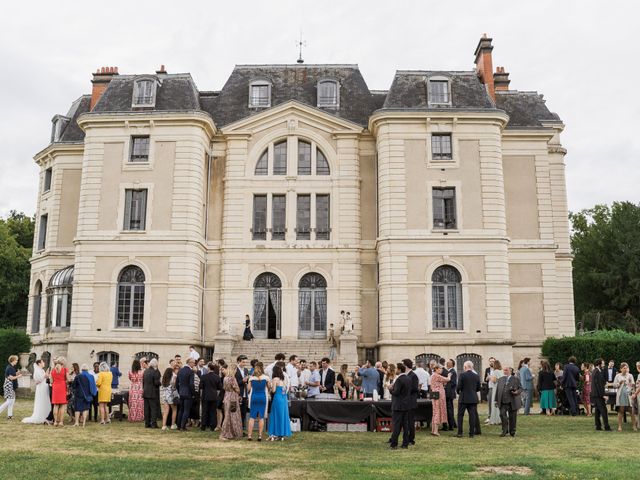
<point x="198" y="252"/>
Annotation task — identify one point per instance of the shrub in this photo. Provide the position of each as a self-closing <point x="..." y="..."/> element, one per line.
<point x="12" y="342"/>
<point x="607" y="344"/>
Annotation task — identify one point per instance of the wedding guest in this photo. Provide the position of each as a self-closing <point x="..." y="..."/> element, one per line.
<point x="220" y="411"/>
<point x="586" y="387"/>
<point x="10" y="386"/>
<point x="625" y="386"/>
<point x="387" y="383"/>
<point x="82" y="397"/>
<point x="304" y="374"/>
<point x="313" y="384"/>
<point x="570" y="378"/>
<point x="401" y="404"/>
<point x="450" y="392"/>
<point x="342" y="381"/>
<point x="210" y="387"/>
<point x="438" y="399"/>
<point x="232" y="423"/>
<point x="194" y="413"/>
<point x="292" y="373"/>
<point x="369" y="379"/>
<point x="279" y="357"/>
<point x="557" y="371"/>
<point x="168" y="399"/>
<point x="242" y="377"/>
<point x="247" y="334"/>
<point x="526" y="380"/>
<point x="136" y="400"/>
<point x="71" y="375"/>
<point x="185" y="384"/>
<point x="423" y="379"/>
<point x="598" y="395"/>
<point x="496" y="374"/>
<point x="193" y="353"/>
<point x="333" y="344"/>
<point x="356" y="384"/>
<point x="104" y="392"/>
<point x="488" y="372"/>
<point x="611" y="371"/>
<point x="94" y="374"/>
<point x="42" y="402"/>
<point x="59" y="378"/>
<point x="546" y="388"/>
<point x="468" y="388"/>
<point x="327" y="376"/>
<point x="115" y="376"/>
<point x="509" y="400"/>
<point x="279" y="421"/>
<point x="258" y="388"/>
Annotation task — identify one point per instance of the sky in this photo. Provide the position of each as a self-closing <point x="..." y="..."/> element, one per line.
<point x="582" y="55"/>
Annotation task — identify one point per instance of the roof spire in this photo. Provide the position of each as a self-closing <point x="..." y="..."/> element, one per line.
<point x="300" y="43"/>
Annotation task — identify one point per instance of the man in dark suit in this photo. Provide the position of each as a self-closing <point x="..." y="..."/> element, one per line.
<point x="187" y="390"/>
<point x="401" y="404"/>
<point x="612" y="371"/>
<point x="415" y="390"/>
<point x="450" y="394"/>
<point x="210" y="386"/>
<point x="598" y="395"/>
<point x="570" y="378"/>
<point x="508" y="400"/>
<point x="151" y="394"/>
<point x="327" y="376"/>
<point x="242" y="377"/>
<point x="468" y="388"/>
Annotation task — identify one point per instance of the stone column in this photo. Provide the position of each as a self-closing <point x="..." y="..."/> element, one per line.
<point x="348" y="349"/>
<point x="223" y="346"/>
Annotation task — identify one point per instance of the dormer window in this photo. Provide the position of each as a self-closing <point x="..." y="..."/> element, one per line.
<point x="260" y="94"/>
<point x="144" y="93"/>
<point x="57" y="127"/>
<point x="328" y="95"/>
<point x="439" y="93"/>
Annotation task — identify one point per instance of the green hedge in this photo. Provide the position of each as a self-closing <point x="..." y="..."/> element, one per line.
<point x="607" y="344"/>
<point x="12" y="342"/>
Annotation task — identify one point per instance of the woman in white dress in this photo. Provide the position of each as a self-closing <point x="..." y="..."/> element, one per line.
<point x="42" y="403"/>
<point x="494" y="418"/>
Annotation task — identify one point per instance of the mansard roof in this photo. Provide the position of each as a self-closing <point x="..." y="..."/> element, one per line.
<point x="525" y="109"/>
<point x="72" y="132"/>
<point x="292" y="82"/>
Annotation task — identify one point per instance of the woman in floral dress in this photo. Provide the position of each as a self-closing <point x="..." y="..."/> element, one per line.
<point x="439" y="405"/>
<point x="232" y="424"/>
<point x="136" y="402"/>
<point x="586" y="387"/>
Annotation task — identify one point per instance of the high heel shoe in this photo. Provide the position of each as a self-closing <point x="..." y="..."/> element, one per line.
<point x="259" y="438"/>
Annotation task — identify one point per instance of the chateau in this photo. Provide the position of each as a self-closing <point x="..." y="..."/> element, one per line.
<point x="434" y="212"/>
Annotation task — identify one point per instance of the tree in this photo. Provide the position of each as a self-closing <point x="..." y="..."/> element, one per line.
<point x="606" y="266"/>
<point x="16" y="239"/>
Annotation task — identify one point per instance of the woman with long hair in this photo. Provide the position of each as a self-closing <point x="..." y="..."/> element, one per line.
<point x="342" y="381"/>
<point x="232" y="423"/>
<point x="624" y="384"/>
<point x="167" y="399"/>
<point x="59" y="377"/>
<point x="41" y="403"/>
<point x="387" y="382"/>
<point x="257" y="388"/>
<point x="438" y="405"/>
<point x="136" y="401"/>
<point x="586" y="387"/>
<point x="11" y="376"/>
<point x="496" y="374"/>
<point x="547" y="388"/>
<point x="104" y="391"/>
<point x="279" y="422"/>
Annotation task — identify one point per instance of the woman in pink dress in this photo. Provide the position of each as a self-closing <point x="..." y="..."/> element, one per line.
<point x="59" y="380"/>
<point x="136" y="402"/>
<point x="586" y="387"/>
<point x="439" y="405"/>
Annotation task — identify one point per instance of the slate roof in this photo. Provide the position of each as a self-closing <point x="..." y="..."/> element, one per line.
<point x="293" y="82"/>
<point x="525" y="109"/>
<point x="409" y="91"/>
<point x="72" y="132"/>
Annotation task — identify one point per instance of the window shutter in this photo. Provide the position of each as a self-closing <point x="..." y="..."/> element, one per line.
<point x="143" y="208"/>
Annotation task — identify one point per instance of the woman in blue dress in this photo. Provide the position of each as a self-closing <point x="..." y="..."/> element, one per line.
<point x="258" y="387"/>
<point x="279" y="423"/>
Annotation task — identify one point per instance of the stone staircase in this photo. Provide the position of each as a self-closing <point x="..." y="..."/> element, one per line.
<point x="265" y="350"/>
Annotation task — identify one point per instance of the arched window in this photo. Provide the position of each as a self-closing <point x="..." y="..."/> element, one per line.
<point x="304" y="158"/>
<point x="473" y="357"/>
<point x="144" y="93"/>
<point x="130" y="301"/>
<point x="280" y="158"/>
<point x="446" y="299"/>
<point x="59" y="294"/>
<point x="322" y="165"/>
<point x="328" y="93"/>
<point x="109" y="358"/>
<point x="46" y="358"/>
<point x="147" y="355"/>
<point x="312" y="306"/>
<point x="427" y="357"/>
<point x="266" y="305"/>
<point x="262" y="167"/>
<point x="37" y="304"/>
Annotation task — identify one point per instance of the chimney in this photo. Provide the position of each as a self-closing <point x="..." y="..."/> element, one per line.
<point x="161" y="70"/>
<point x="501" y="79"/>
<point x="100" y="81"/>
<point x="484" y="65"/>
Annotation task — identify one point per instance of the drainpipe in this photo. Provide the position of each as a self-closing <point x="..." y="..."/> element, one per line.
<point x="206" y="241"/>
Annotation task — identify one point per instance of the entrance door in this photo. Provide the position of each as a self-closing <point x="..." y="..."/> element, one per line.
<point x="312" y="306"/>
<point x="266" y="306"/>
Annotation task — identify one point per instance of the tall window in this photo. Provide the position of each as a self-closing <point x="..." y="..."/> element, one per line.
<point x="42" y="232"/>
<point x="37" y="304"/>
<point x="130" y="301"/>
<point x="135" y="209"/>
<point x="144" y="93"/>
<point x="446" y="299"/>
<point x="322" y="165"/>
<point x="303" y="217"/>
<point x="260" y="95"/>
<point x="280" y="158"/>
<point x="259" y="229"/>
<point x="59" y="295"/>
<point x="304" y="158"/>
<point x="328" y="93"/>
<point x="444" y="208"/>
<point x="441" y="146"/>
<point x="139" y="149"/>
<point x="109" y="358"/>
<point x="322" y="217"/>
<point x="267" y="305"/>
<point x="312" y="306"/>
<point x="48" y="173"/>
<point x="278" y="217"/>
<point x="438" y="91"/>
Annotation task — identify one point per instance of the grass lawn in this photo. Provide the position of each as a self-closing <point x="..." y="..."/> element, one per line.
<point x="556" y="447"/>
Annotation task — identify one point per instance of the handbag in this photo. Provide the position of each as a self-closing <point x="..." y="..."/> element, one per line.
<point x="433" y="396"/>
<point x="176" y="397"/>
<point x="233" y="406"/>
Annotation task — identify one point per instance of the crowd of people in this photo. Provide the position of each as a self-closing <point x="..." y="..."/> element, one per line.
<point x="236" y="397"/>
